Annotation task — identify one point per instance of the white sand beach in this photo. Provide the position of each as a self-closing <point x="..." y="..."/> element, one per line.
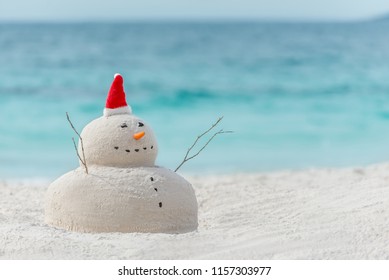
<point x="310" y="214"/>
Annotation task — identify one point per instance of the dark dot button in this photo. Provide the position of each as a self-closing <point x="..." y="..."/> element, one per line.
<point x="152" y="147"/>
<point x="136" y="150"/>
<point x="116" y="148"/>
<point x="127" y="151"/>
<point x="156" y="189"/>
<point x="144" y="148"/>
<point x="160" y="204"/>
<point x="152" y="179"/>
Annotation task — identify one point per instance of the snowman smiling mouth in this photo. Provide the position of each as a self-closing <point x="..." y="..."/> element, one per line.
<point x="136" y="150"/>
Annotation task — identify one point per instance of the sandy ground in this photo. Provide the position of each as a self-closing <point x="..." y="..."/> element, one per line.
<point x="311" y="214"/>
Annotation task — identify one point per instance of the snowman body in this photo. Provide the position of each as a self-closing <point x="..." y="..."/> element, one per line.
<point x="123" y="191"/>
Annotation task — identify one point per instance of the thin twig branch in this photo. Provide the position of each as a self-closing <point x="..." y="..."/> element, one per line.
<point x="198" y="137"/>
<point x="83" y="160"/>
<point x="75" y="147"/>
<point x="187" y="157"/>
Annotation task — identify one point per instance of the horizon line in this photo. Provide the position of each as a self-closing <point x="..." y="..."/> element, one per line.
<point x="179" y="20"/>
<point x="197" y="20"/>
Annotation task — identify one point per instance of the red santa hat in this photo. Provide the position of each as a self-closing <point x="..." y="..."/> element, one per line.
<point x="116" y="100"/>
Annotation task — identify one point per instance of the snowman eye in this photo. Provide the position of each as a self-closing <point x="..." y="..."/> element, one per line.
<point x="123" y="125"/>
<point x="140" y="124"/>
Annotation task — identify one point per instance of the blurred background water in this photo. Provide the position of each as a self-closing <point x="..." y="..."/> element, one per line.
<point x="296" y="95"/>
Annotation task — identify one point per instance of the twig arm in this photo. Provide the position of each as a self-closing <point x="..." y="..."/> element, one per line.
<point x="75" y="147"/>
<point x="187" y="157"/>
<point x="71" y="124"/>
<point x="198" y="138"/>
<point x="83" y="160"/>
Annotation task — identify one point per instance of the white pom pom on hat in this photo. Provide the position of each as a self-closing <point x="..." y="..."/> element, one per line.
<point x="116" y="99"/>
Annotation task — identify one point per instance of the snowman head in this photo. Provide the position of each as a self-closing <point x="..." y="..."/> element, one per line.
<point x="118" y="138"/>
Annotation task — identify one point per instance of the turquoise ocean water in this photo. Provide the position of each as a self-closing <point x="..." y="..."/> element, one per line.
<point x="296" y="95"/>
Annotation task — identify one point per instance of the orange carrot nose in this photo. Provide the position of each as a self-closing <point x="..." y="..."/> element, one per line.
<point x="139" y="135"/>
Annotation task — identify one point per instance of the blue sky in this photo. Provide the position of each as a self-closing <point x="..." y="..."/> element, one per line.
<point x="39" y="10"/>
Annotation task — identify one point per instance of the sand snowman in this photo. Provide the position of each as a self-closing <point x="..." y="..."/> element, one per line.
<point x="123" y="190"/>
